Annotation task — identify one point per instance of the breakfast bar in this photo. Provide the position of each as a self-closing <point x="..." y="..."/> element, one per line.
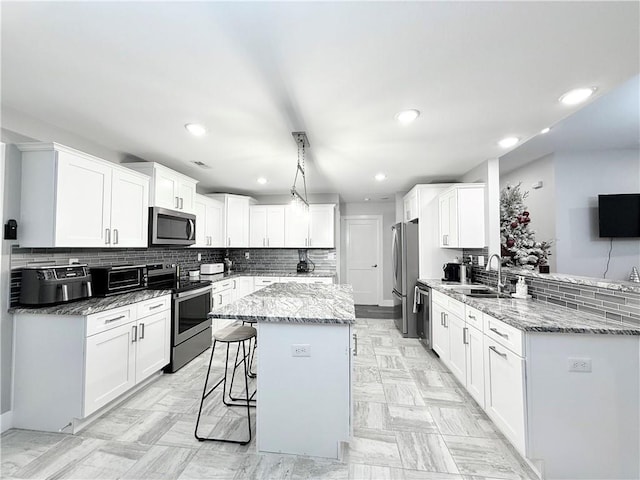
<point x="304" y="365"/>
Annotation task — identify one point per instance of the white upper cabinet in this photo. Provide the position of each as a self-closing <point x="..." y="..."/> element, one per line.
<point x="296" y="228"/>
<point x="462" y="216"/>
<point x="71" y="199"/>
<point x="321" y="226"/>
<point x="411" y="205"/>
<point x="312" y="229"/>
<point x="169" y="189"/>
<point x="209" y="228"/>
<point x="235" y="219"/>
<point x="266" y="226"/>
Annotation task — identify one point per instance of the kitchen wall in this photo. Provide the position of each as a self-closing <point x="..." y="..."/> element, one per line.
<point x="541" y="202"/>
<point x="388" y="212"/>
<point x="565" y="209"/>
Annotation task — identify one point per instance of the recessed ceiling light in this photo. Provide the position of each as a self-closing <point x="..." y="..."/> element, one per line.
<point x="366" y="199"/>
<point x="577" y="95"/>
<point x="195" y="129"/>
<point x="407" y="116"/>
<point x="508" y="142"/>
<point x="545" y="130"/>
<point x="262" y="180"/>
<point x="380" y="177"/>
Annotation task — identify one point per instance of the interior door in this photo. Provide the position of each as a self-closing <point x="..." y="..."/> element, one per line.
<point x="362" y="259"/>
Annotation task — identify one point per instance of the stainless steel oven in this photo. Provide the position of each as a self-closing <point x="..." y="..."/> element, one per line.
<point x="191" y="326"/>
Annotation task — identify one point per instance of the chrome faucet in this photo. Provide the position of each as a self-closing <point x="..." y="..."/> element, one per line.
<point x="500" y="284"/>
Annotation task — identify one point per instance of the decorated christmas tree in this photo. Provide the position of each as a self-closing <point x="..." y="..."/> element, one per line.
<point x="517" y="239"/>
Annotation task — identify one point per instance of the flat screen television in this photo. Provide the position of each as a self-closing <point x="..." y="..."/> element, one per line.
<point x="619" y="215"/>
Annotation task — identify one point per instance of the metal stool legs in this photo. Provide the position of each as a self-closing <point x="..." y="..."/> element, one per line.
<point x="223" y="381"/>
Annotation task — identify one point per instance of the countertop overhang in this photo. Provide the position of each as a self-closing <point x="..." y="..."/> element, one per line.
<point x="541" y="317"/>
<point x="294" y="303"/>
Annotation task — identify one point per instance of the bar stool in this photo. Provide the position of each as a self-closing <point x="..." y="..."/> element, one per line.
<point x="238" y="335"/>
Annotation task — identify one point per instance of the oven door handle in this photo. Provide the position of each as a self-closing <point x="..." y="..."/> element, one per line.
<point x="192" y="293"/>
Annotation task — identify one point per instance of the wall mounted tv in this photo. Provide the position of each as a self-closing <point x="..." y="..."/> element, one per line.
<point x="619" y="215"/>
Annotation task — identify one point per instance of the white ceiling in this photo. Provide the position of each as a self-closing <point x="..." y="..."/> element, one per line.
<point x="128" y="76"/>
<point x="610" y="122"/>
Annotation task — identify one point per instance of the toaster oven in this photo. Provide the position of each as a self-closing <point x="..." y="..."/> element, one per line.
<point x="115" y="279"/>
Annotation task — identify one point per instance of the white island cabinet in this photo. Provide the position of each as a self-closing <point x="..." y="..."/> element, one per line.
<point x="304" y="399"/>
<point x="69" y="365"/>
<point x="564" y="390"/>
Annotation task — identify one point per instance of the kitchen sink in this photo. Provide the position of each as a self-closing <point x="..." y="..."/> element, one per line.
<point x="476" y="291"/>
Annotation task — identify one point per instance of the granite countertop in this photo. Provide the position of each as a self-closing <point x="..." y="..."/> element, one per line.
<point x="621" y="285"/>
<point x="92" y="305"/>
<point x="278" y="273"/>
<point x="294" y="303"/>
<point x="533" y="316"/>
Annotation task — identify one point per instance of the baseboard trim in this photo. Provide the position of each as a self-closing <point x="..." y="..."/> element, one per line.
<point x="6" y="421"/>
<point x="386" y="303"/>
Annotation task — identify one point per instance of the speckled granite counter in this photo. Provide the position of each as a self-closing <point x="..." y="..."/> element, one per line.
<point x="620" y="285"/>
<point x="278" y="273"/>
<point x="294" y="303"/>
<point x="532" y="316"/>
<point x="93" y="305"/>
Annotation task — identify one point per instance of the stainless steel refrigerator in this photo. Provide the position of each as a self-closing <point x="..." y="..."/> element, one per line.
<point x="404" y="257"/>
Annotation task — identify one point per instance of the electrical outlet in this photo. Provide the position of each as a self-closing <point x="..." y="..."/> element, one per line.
<point x="301" y="350"/>
<point x="481" y="260"/>
<point x="580" y="365"/>
<point x="331" y="255"/>
<point x="199" y="257"/>
<point x="246" y="255"/>
<point x="73" y="260"/>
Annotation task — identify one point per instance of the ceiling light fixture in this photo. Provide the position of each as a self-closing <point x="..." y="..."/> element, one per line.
<point x="508" y="142"/>
<point x="366" y="199"/>
<point x="262" y="180"/>
<point x="380" y="177"/>
<point x="195" y="129"/>
<point x="407" y="116"/>
<point x="577" y="95"/>
<point x="298" y="201"/>
<point x="545" y="130"/>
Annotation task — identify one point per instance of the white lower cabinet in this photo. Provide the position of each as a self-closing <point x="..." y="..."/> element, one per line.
<point x="504" y="391"/>
<point x="440" y="333"/>
<point x="69" y="366"/>
<point x="457" y="347"/>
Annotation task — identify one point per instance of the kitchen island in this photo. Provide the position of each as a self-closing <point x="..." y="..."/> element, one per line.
<point x="562" y="385"/>
<point x="304" y="365"/>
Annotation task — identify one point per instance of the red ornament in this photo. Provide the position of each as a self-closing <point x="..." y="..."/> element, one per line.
<point x="511" y="243"/>
<point x="514" y="224"/>
<point x="525" y="213"/>
<point x="526" y="219"/>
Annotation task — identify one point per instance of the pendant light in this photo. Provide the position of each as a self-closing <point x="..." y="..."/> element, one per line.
<point x="298" y="201"/>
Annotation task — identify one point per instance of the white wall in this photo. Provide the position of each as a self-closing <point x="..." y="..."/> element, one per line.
<point x="388" y="212"/>
<point x="580" y="177"/>
<point x="541" y="202"/>
<point x="10" y="207"/>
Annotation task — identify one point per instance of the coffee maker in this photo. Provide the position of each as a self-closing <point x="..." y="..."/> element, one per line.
<point x="455" y="272"/>
<point x="303" y="265"/>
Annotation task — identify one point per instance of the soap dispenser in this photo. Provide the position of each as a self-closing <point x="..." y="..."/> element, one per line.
<point x="521" y="287"/>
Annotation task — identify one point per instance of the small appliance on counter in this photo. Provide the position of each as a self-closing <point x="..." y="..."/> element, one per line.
<point x="54" y="284"/>
<point x="211" y="268"/>
<point x="303" y="263"/>
<point x="115" y="279"/>
<point x="456" y="272"/>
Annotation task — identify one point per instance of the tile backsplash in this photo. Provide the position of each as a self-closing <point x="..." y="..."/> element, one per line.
<point x="187" y="258"/>
<point x="612" y="304"/>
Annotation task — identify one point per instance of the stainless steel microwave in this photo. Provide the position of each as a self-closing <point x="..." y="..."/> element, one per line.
<point x="170" y="227"/>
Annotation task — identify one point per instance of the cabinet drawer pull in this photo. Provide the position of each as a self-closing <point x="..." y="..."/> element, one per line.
<point x="220" y="299"/>
<point x="141" y="331"/>
<point x="156" y="306"/>
<point x="115" y="319"/>
<point x="107" y="236"/>
<point x="177" y="202"/>
<point x="181" y="203"/>
<point x="504" y="355"/>
<point x="115" y="236"/>
<point x="355" y="344"/>
<point x="134" y="336"/>
<point x="465" y="331"/>
<point x="472" y="317"/>
<point x="495" y="330"/>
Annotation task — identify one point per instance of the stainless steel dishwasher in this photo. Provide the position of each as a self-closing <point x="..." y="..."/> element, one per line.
<point x="422" y="309"/>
